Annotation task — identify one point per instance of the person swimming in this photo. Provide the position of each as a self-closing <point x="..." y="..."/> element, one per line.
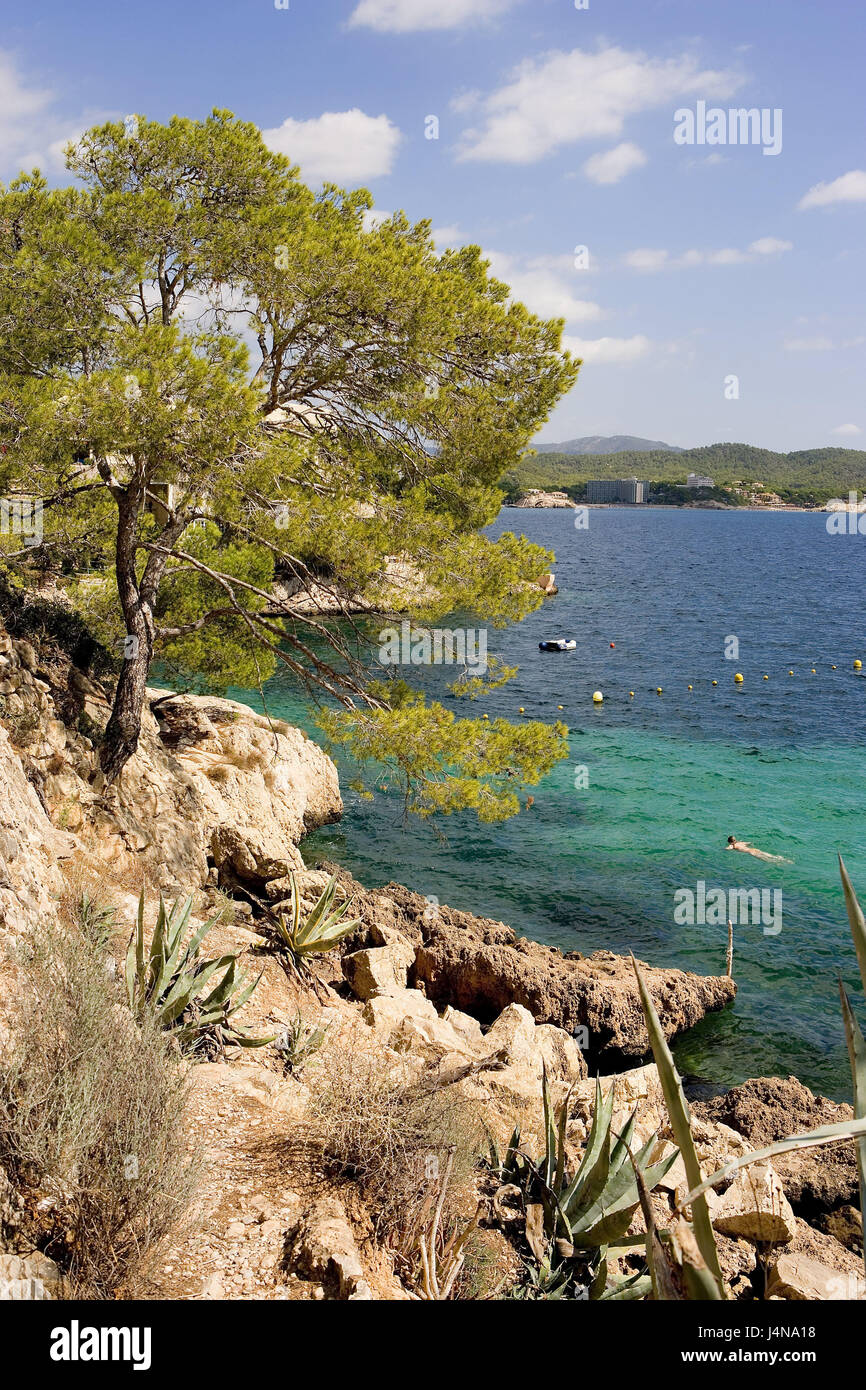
<point x="745" y="848"/>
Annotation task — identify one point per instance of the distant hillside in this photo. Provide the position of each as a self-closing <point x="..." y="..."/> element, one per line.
<point x="608" y="444"/>
<point x="816" y="473"/>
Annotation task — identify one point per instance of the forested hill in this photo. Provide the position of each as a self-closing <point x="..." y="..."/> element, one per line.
<point x="826" y="472"/>
<point x="607" y="444"/>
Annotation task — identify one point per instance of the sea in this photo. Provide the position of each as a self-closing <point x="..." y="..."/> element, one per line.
<point x="666" y="606"/>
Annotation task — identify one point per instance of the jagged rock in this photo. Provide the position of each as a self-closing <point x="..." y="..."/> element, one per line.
<point x="30" y="847"/>
<point x="845" y="1224"/>
<point x="818" y="1245"/>
<point x="525" y="1049"/>
<point x="32" y="1276"/>
<point x="212" y="780"/>
<point x="478" y="966"/>
<point x="379" y="970"/>
<point x="801" y="1278"/>
<point x="467" y="1026"/>
<point x="768" y="1108"/>
<point x="323" y="1247"/>
<point x="755" y="1207"/>
<point x="509" y="1058"/>
<point x="385" y="1013"/>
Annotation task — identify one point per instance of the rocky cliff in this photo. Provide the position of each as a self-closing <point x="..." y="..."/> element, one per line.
<point x="421" y="1002"/>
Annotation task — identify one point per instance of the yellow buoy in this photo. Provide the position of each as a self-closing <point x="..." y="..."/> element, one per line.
<point x="521" y="710"/>
<point x="658" y="690"/>
<point x="832" y="668"/>
<point x="814" y="672"/>
<point x="715" y="682"/>
<point x="690" y="687"/>
<point x="485" y="716"/>
<point x="858" y="665"/>
<point x="738" y="679"/>
<point x="597" y="697"/>
<point x="790" y="673"/>
<point x="560" y="706"/>
<point x="766" y="678"/>
<point x="631" y="694"/>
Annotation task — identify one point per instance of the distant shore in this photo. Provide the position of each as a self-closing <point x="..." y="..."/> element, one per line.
<point x="658" y="507"/>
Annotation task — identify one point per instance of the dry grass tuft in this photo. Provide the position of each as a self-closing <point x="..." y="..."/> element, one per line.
<point x="377" y="1124"/>
<point x="91" y="1111"/>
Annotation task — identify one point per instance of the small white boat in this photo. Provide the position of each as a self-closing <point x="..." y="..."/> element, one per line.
<point x="558" y="644"/>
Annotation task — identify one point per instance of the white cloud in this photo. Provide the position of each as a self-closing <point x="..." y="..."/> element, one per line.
<point x="847" y="430"/>
<point x="562" y="98"/>
<point x="340" y="146"/>
<point x="820" y="343"/>
<point x="545" y="284"/>
<point x="372" y="218"/>
<point x="615" y="351"/>
<point x="443" y="237"/>
<point x="613" y="165"/>
<point x="410" y="16"/>
<point x="849" y="188"/>
<point x="649" y="260"/>
<point x="770" y="246"/>
<point x="31" y="131"/>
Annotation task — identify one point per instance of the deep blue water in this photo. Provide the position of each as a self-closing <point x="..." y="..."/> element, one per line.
<point x="779" y="762"/>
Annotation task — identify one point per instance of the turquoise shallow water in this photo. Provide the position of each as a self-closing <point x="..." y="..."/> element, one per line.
<point x="778" y="762"/>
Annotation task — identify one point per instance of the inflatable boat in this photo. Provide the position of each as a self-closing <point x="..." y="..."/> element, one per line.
<point x="558" y="644"/>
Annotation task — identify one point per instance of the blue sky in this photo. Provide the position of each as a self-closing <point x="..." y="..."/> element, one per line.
<point x="555" y="131"/>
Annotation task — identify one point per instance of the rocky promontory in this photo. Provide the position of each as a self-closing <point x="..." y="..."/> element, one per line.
<point x="426" y="1030"/>
<point x="538" y="497"/>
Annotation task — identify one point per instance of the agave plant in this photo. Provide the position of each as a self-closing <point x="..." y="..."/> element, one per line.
<point x="321" y="929"/>
<point x="581" y="1218"/>
<point x="169" y="981"/>
<point x="684" y="1261"/>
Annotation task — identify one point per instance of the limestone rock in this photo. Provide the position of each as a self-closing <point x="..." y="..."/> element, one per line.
<point x="323" y="1247"/>
<point x="29" y="1277"/>
<point x="479" y="967"/>
<point x="30" y="846"/>
<point x="768" y="1108"/>
<point x="800" y="1278"/>
<point x="379" y="970"/>
<point x="755" y="1207"/>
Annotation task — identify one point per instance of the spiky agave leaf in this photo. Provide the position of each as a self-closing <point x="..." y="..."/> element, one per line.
<point x="170" y="979"/>
<point x="680" y="1118"/>
<point x="857" y="1055"/>
<point x="320" y="930"/>
<point x="856" y="920"/>
<point x="853" y="1034"/>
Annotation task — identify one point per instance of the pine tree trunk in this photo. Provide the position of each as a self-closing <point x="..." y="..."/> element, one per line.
<point x="124" y="727"/>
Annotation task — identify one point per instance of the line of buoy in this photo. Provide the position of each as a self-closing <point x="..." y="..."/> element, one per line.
<point x="739" y="679"/>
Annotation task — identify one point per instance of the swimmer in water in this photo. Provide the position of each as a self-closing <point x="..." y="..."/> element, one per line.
<point x="756" y="853"/>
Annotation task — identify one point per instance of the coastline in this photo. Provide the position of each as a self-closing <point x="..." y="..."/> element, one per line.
<point x="214" y="804"/>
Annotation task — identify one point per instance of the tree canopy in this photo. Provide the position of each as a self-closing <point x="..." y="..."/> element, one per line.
<point x="214" y="378"/>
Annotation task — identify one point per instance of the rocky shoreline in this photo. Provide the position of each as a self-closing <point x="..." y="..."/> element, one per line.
<point x="215" y="803"/>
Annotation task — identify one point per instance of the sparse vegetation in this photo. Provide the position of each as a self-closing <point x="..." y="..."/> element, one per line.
<point x="91" y="1110"/>
<point x="378" y="1126"/>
